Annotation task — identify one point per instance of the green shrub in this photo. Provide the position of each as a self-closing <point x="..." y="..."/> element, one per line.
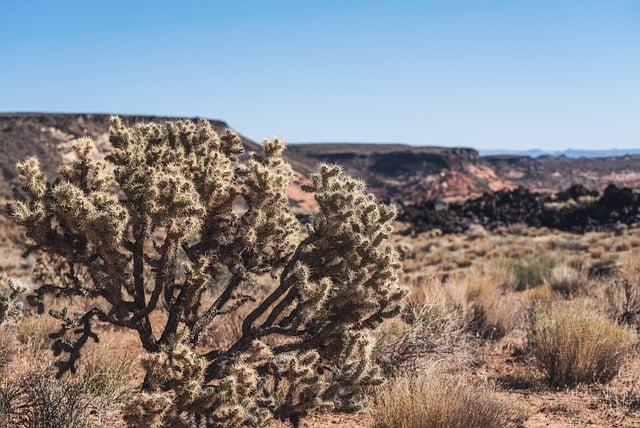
<point x="531" y="271"/>
<point x="157" y="235"/>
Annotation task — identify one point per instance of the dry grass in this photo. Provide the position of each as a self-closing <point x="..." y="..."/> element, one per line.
<point x="573" y="346"/>
<point x="433" y="398"/>
<point x="106" y="370"/>
<point x="430" y="327"/>
<point x="475" y="297"/>
<point x="567" y="280"/>
<point x="36" y="399"/>
<point x="490" y="312"/>
<point x="34" y="332"/>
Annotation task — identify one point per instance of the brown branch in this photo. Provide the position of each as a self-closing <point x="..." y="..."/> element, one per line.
<point x="277" y="310"/>
<point x="247" y="325"/>
<point x="207" y="317"/>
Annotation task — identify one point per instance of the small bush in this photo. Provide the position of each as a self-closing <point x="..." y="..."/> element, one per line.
<point x="436" y="399"/>
<point x="106" y="373"/>
<point x="34" y="331"/>
<point x="463" y="262"/>
<point x="490" y="313"/>
<point x="532" y="271"/>
<point x="37" y="400"/>
<point x="575" y="347"/>
<point x="566" y="280"/>
<point x="429" y="327"/>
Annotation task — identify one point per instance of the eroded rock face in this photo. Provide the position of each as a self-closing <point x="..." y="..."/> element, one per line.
<point x="407" y="173"/>
<point x="617" y="205"/>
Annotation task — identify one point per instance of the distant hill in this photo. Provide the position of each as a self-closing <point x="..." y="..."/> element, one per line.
<point x="410" y="173"/>
<point x="49" y="136"/>
<point x="570" y="153"/>
<point x="554" y="173"/>
<point x="392" y="171"/>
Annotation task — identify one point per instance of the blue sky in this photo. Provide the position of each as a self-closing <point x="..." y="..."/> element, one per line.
<point x="511" y="74"/>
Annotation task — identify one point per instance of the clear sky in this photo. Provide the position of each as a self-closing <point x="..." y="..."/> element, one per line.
<point x="510" y="74"/>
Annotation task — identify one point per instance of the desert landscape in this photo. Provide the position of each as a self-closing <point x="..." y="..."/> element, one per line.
<point x="521" y="301"/>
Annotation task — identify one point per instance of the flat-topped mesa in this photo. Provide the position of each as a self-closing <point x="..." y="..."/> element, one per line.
<point x="385" y="159"/>
<point x="406" y="173"/>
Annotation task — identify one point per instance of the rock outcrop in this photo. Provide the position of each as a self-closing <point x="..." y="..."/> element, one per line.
<point x="575" y="209"/>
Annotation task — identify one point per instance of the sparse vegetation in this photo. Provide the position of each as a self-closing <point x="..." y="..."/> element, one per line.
<point x="497" y="319"/>
<point x="533" y="271"/>
<point x="38" y="400"/>
<point x="573" y="346"/>
<point x="433" y="398"/>
<point x="183" y="223"/>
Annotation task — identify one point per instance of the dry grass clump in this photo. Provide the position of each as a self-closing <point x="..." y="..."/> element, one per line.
<point x="429" y="327"/>
<point x="37" y="399"/>
<point x="567" y="280"/>
<point x="433" y="398"/>
<point x="624" y="292"/>
<point x="491" y="314"/>
<point x="34" y="331"/>
<point x="574" y="346"/>
<point x="106" y="371"/>
<point x="490" y="311"/>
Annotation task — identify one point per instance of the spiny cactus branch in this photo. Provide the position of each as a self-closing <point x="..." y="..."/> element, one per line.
<point x="183" y="217"/>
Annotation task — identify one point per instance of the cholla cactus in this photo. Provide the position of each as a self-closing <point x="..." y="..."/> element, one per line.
<point x="178" y="212"/>
<point x="10" y="306"/>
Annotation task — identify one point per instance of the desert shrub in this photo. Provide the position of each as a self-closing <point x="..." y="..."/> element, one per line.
<point x="106" y="372"/>
<point x="463" y="262"/>
<point x="538" y="297"/>
<point x="532" y="271"/>
<point x="433" y="398"/>
<point x="490" y="312"/>
<point x="476" y="232"/>
<point x="624" y="292"/>
<point x="428" y="328"/>
<point x="153" y="239"/>
<point x="38" y="400"/>
<point x="605" y="267"/>
<point x="574" y="346"/>
<point x="10" y="306"/>
<point x="567" y="280"/>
